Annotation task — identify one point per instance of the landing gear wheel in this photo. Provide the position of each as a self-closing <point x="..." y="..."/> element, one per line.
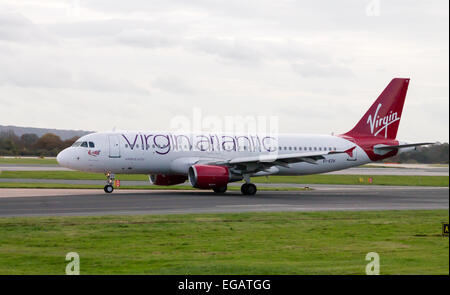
<point x="220" y="190"/>
<point x="109" y="181"/>
<point x="108" y="188"/>
<point x="248" y="189"/>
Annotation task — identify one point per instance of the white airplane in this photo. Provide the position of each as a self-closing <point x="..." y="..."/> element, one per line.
<point x="211" y="161"/>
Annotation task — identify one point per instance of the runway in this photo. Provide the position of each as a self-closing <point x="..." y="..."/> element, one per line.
<point x="58" y="202"/>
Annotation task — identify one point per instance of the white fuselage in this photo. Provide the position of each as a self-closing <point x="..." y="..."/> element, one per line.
<point x="173" y="153"/>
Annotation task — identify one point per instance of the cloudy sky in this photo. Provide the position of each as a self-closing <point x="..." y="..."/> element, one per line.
<point x="137" y="64"/>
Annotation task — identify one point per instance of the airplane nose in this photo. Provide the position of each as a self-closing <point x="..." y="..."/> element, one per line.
<point x="61" y="158"/>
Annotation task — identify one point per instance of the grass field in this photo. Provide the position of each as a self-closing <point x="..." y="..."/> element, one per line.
<point x="24" y="161"/>
<point x="408" y="242"/>
<point x="307" y="179"/>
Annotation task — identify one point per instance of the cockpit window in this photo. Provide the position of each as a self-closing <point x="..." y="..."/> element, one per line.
<point x="84" y="144"/>
<point x="91" y="144"/>
<point x="76" y="143"/>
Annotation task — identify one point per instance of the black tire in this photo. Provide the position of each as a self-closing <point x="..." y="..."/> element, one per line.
<point x="244" y="188"/>
<point x="248" y="189"/>
<point x="108" y="188"/>
<point x="251" y="189"/>
<point x="220" y="190"/>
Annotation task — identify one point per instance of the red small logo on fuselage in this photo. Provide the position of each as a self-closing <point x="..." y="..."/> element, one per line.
<point x="94" y="153"/>
<point x="350" y="151"/>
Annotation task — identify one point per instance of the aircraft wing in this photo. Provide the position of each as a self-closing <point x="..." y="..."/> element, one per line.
<point x="263" y="162"/>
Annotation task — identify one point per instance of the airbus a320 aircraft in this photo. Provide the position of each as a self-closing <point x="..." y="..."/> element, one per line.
<point x="211" y="161"/>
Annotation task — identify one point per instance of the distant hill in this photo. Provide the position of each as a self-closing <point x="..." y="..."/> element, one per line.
<point x="63" y="134"/>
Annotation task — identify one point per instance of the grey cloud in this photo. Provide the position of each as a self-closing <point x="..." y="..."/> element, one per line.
<point x="316" y="70"/>
<point x="228" y="50"/>
<point x="116" y="51"/>
<point x="25" y="73"/>
<point x="145" y="38"/>
<point x="172" y="84"/>
<point x="17" y="28"/>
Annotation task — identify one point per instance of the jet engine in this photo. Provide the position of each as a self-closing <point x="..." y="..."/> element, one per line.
<point x="161" y="179"/>
<point x="210" y="176"/>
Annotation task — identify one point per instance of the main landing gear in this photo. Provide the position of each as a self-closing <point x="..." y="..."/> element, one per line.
<point x="109" y="181"/>
<point x="248" y="188"/>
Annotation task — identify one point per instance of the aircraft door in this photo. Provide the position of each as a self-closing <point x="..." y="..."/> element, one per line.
<point x="114" y="146"/>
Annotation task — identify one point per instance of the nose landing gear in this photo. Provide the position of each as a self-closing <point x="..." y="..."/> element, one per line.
<point x="109" y="181"/>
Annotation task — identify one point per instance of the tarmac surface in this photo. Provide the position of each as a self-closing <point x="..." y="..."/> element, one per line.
<point x="69" y="202"/>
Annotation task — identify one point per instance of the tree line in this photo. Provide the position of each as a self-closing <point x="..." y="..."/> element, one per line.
<point x="436" y="153"/>
<point x="29" y="144"/>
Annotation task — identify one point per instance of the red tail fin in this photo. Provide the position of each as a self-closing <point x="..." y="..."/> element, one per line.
<point x="383" y="117"/>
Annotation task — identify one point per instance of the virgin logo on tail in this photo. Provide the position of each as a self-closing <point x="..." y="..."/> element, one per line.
<point x="378" y="124"/>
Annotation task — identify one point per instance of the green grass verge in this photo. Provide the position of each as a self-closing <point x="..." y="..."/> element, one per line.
<point x="408" y="242"/>
<point x="23" y="161"/>
<point x="128" y="187"/>
<point x="407" y="180"/>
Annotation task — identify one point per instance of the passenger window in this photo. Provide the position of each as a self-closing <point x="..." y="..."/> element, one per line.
<point x="290" y="148"/>
<point x="300" y="148"/>
<point x="320" y="148"/>
<point x="84" y="144"/>
<point x="91" y="144"/>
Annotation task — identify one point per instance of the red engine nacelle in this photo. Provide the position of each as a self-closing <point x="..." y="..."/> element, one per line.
<point x="161" y="179"/>
<point x="208" y="176"/>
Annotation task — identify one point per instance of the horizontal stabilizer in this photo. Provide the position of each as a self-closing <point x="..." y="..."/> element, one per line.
<point x="393" y="147"/>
